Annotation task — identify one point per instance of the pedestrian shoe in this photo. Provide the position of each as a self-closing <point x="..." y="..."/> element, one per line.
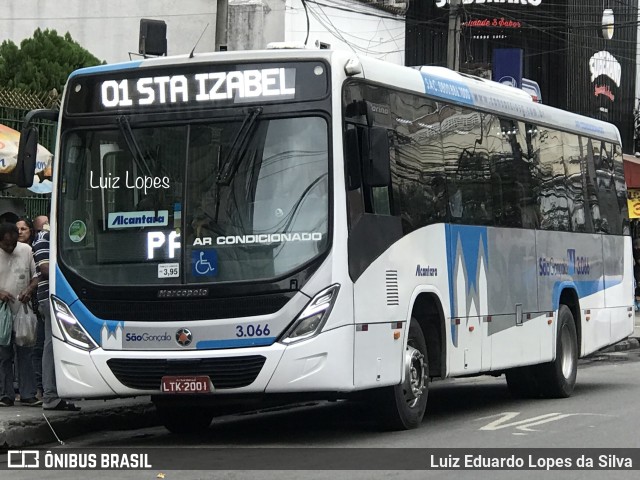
<point x="63" y="406"/>
<point x="6" y="402"/>
<point x="31" y="402"/>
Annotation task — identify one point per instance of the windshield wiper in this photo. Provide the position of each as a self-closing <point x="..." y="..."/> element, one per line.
<point x="132" y="144"/>
<point x="232" y="160"/>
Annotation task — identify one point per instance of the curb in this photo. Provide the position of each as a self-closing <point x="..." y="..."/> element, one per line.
<point x="29" y="431"/>
<point x="630" y="343"/>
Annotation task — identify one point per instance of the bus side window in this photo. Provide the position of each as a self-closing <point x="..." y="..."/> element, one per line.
<point x="605" y="183"/>
<point x="620" y="186"/>
<point x="374" y="199"/>
<point x="599" y="223"/>
<point x="575" y="187"/>
<point x="553" y="202"/>
<point x="355" y="199"/>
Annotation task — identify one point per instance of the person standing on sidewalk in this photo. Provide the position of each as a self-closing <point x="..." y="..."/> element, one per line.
<point x="18" y="280"/>
<point x="51" y="401"/>
<point x="40" y="224"/>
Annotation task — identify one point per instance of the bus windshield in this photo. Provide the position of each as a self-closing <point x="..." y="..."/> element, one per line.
<point x="226" y="201"/>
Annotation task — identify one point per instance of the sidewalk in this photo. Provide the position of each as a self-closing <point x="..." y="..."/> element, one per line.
<point x="26" y="426"/>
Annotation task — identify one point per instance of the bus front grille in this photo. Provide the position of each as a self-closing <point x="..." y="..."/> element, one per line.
<point x="228" y="372"/>
<point x="187" y="310"/>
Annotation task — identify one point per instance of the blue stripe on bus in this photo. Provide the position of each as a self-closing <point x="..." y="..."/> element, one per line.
<point x="106" y="68"/>
<point x="235" y="343"/>
<point x="92" y="324"/>
<point x="584" y="288"/>
<point x="63" y="290"/>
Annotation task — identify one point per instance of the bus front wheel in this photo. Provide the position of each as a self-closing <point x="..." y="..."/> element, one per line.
<point x="402" y="407"/>
<point x="182" y="419"/>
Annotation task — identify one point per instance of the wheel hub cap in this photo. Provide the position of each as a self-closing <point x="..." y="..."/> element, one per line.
<point x="415" y="376"/>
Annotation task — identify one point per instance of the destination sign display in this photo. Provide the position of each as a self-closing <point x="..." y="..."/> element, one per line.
<point x="194" y="87"/>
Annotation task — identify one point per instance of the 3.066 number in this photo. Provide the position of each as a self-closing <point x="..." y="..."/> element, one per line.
<point x="252" y="330"/>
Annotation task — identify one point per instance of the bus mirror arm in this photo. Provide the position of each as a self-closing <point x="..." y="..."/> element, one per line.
<point x="22" y="174"/>
<point x="41" y="114"/>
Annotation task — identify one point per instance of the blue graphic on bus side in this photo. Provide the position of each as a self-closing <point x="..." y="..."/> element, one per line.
<point x="448" y="89"/>
<point x="472" y="243"/>
<point x="204" y="263"/>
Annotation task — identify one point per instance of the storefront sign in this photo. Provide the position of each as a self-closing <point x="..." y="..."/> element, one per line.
<point x="604" y="64"/>
<point x="535" y="3"/>
<point x="633" y="202"/>
<point x="492" y="23"/>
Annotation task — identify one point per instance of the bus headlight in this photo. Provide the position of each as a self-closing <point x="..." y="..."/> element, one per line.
<point x="71" y="328"/>
<point x="313" y="317"/>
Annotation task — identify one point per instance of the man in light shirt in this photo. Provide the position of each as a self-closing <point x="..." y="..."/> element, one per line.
<point x="18" y="280"/>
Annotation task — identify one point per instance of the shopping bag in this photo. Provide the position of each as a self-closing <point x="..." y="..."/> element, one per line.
<point x="6" y="324"/>
<point x="25" y="324"/>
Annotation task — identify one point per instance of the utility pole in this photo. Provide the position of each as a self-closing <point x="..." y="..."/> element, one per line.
<point x="453" y="36"/>
<point x="222" y="14"/>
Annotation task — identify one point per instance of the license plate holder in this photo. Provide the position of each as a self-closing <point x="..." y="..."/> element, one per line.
<point x="186" y="384"/>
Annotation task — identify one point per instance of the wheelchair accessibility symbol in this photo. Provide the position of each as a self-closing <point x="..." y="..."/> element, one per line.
<point x="204" y="263"/>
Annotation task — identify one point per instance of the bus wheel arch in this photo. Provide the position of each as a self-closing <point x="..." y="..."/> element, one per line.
<point x="402" y="406"/>
<point x="427" y="311"/>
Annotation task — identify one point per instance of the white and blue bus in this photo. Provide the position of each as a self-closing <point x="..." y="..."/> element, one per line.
<point x="310" y="223"/>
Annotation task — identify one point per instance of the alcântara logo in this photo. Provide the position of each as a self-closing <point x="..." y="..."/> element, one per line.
<point x="138" y="219"/>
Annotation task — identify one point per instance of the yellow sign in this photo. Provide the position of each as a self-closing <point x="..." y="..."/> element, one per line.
<point x="633" y="201"/>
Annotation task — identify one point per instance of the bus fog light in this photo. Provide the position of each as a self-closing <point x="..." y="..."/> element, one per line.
<point x="313" y="317"/>
<point x="71" y="329"/>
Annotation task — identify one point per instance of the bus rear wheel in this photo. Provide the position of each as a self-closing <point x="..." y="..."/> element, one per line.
<point x="558" y="378"/>
<point x="184" y="419"/>
<point x="555" y="379"/>
<point x="402" y="407"/>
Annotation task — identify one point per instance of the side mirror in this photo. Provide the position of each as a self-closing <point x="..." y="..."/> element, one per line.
<point x="25" y="169"/>
<point x="377" y="168"/>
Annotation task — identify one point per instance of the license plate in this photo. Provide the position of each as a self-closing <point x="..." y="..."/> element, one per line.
<point x="196" y="384"/>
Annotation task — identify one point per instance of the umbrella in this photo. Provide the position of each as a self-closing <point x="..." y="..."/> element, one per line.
<point x="9" y="141"/>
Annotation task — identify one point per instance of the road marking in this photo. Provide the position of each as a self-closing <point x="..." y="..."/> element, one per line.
<point x="504" y="421"/>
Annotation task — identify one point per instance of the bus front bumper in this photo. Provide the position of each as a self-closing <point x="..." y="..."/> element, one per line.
<point x="323" y="363"/>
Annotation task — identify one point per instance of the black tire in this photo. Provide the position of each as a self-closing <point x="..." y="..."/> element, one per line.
<point x="558" y="378"/>
<point x="184" y="419"/>
<point x="522" y="382"/>
<point x="401" y="407"/>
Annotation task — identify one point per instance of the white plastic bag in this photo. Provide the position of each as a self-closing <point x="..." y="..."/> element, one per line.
<point x="25" y="324"/>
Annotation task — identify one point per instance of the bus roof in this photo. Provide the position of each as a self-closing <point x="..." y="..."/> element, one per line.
<point x="436" y="82"/>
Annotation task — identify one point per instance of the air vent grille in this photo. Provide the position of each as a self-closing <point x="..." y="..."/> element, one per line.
<point x="393" y="295"/>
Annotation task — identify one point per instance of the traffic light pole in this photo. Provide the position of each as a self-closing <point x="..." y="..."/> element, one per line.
<point x="453" y="36"/>
<point x="222" y="13"/>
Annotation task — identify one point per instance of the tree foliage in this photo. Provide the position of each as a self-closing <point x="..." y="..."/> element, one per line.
<point x="42" y="62"/>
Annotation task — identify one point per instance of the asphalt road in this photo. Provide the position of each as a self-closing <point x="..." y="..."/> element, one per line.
<point x="464" y="413"/>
